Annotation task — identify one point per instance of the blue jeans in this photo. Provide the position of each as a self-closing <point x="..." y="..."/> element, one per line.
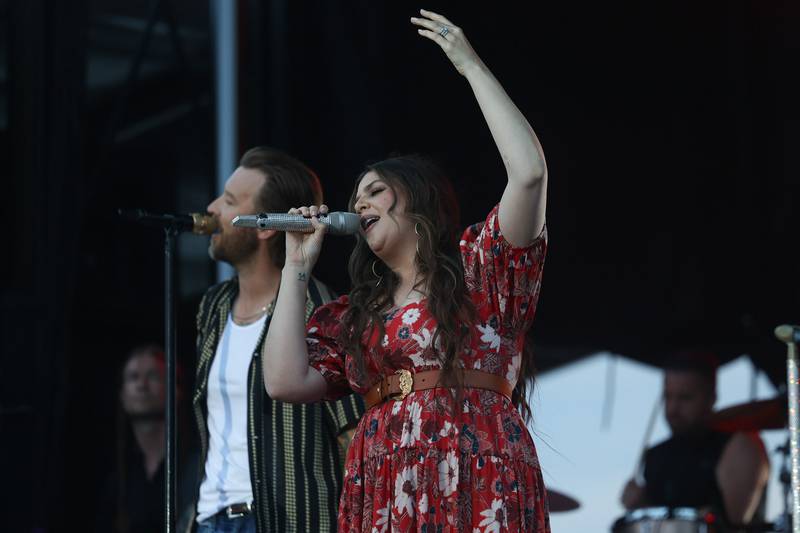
<point x="220" y="523"/>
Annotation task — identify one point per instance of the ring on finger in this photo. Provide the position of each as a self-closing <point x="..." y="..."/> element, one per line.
<point x="443" y="31"/>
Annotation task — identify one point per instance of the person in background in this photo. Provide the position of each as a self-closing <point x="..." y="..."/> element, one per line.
<point x="134" y="493"/>
<point x="698" y="466"/>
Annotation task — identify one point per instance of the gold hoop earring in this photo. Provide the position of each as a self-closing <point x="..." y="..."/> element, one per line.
<point x="380" y="278"/>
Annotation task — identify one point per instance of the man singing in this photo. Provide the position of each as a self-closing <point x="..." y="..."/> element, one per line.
<point x="268" y="466"/>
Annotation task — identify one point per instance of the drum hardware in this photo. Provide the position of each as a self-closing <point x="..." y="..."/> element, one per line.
<point x="683" y="520"/>
<point x="667" y="520"/>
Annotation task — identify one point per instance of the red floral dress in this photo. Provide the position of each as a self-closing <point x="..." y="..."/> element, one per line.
<point x="412" y="465"/>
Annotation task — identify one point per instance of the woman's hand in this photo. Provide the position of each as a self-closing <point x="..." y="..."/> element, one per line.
<point x="450" y="37"/>
<point x="302" y="249"/>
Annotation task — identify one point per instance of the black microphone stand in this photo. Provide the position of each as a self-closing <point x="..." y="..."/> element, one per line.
<point x="172" y="226"/>
<point x="170" y="238"/>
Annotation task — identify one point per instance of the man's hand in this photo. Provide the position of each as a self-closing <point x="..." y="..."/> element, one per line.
<point x="633" y="495"/>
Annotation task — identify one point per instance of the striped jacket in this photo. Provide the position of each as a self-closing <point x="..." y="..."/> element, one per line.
<point x="295" y="461"/>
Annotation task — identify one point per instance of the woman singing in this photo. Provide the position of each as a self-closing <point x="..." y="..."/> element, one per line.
<point x="431" y="333"/>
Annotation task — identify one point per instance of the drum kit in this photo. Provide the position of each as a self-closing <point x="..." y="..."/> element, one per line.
<point x="666" y="520"/>
<point x="752" y="416"/>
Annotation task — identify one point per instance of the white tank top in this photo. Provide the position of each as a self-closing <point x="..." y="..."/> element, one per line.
<point x="227" y="468"/>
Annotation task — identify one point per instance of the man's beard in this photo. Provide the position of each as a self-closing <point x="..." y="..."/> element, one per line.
<point x="233" y="247"/>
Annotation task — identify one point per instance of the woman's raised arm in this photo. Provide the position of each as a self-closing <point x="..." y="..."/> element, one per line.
<point x="522" y="206"/>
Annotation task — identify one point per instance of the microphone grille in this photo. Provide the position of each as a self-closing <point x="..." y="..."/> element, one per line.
<point x="342" y="223"/>
<point x="204" y="224"/>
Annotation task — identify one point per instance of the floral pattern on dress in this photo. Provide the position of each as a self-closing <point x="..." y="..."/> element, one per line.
<point x="418" y="464"/>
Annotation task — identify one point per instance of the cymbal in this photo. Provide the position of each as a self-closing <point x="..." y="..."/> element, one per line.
<point x="561" y="502"/>
<point x="752" y="416"/>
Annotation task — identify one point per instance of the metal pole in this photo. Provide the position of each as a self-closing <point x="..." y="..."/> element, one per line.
<point x="170" y="237"/>
<point x="787" y="335"/>
<point x="223" y="19"/>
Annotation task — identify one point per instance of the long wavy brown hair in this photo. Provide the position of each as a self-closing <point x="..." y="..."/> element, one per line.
<point x="431" y="205"/>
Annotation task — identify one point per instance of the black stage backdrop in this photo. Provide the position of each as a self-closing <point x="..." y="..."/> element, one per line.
<point x="670" y="130"/>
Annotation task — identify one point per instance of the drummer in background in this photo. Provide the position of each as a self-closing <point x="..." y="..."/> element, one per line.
<point x="699" y="467"/>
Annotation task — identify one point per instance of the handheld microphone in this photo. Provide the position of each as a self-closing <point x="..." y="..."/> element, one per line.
<point x="198" y="223"/>
<point x="337" y="223"/>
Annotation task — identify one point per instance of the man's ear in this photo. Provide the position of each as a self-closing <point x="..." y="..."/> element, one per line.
<point x="266" y="234"/>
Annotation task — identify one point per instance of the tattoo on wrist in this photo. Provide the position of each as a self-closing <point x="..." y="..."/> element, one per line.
<point x="301" y="276"/>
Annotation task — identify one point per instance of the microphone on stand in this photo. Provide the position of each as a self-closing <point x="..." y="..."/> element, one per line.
<point x="197" y="223"/>
<point x="201" y="224"/>
<point x="788" y="333"/>
<point x="338" y="223"/>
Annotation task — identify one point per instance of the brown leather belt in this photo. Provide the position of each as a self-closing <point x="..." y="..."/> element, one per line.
<point x="399" y="385"/>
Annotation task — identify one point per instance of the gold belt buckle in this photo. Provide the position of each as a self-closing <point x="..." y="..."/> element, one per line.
<point x="406" y="383"/>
